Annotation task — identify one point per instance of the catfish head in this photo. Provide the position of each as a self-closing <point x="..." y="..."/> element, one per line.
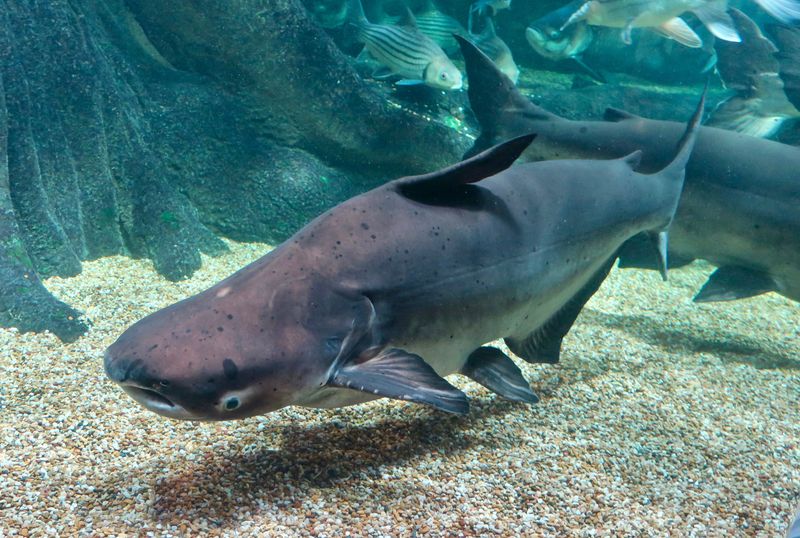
<point x="241" y="348"/>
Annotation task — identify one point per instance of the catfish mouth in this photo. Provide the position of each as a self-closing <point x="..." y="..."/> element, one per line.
<point x="157" y="402"/>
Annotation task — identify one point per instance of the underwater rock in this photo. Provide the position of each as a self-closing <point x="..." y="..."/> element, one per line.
<point x="152" y="131"/>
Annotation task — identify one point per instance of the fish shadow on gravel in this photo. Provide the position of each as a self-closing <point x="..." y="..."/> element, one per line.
<point x="731" y="347"/>
<point x="220" y="486"/>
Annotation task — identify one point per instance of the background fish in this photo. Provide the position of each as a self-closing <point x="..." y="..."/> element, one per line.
<point x="662" y="16"/>
<point x="439" y="27"/>
<point x="496" y="49"/>
<point x="547" y="38"/>
<point x="490" y="7"/>
<point x="760" y="106"/>
<point x="406" y="52"/>
<point x="788" y="41"/>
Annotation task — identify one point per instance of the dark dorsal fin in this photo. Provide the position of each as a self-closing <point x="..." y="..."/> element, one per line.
<point x="495" y="100"/>
<point x="487" y="163"/>
<point x="615" y="114"/>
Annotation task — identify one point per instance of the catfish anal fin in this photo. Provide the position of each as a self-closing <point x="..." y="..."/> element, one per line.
<point x="731" y="282"/>
<point x="497" y="372"/>
<point x="544" y="344"/>
<point x="397" y="374"/>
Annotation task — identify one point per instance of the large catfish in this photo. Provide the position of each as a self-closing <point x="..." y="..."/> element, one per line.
<point x="389" y="292"/>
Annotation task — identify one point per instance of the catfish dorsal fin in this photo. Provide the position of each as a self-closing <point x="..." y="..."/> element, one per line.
<point x="487" y="163"/>
<point x="616" y="114"/>
<point x="493" y="97"/>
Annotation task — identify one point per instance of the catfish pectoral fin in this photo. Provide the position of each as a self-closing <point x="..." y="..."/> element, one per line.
<point x="397" y="374"/>
<point x="497" y="372"/>
<point x="731" y="283"/>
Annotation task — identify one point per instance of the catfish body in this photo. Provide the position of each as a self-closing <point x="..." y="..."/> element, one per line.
<point x="740" y="207"/>
<point x="392" y="290"/>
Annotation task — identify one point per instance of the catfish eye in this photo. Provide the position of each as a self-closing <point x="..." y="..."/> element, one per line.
<point x="232" y="403"/>
<point x="554" y="34"/>
<point x="443" y="76"/>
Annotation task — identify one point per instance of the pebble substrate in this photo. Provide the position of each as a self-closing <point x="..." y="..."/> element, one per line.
<point x="663" y="418"/>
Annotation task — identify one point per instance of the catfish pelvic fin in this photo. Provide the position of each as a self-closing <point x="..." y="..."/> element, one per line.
<point x="544" y="344"/>
<point x="395" y="373"/>
<point x="731" y="282"/>
<point x="497" y="372"/>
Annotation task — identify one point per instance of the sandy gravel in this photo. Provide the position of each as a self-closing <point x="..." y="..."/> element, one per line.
<point x="664" y="419"/>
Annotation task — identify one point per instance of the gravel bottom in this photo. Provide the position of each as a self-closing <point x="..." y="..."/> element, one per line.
<point x="663" y="418"/>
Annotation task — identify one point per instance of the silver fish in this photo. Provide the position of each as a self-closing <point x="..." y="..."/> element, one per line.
<point x="663" y="16"/>
<point x="496" y="49"/>
<point x="406" y="52"/>
<point x="546" y="36"/>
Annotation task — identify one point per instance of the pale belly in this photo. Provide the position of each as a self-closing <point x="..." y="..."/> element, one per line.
<point x="447" y="354"/>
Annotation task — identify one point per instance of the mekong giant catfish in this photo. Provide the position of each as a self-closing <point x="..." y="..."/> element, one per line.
<point x="740" y="208"/>
<point x="390" y="291"/>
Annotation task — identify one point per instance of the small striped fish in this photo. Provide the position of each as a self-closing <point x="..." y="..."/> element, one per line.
<point x="497" y="50"/>
<point x="439" y="27"/>
<point x="406" y="52"/>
